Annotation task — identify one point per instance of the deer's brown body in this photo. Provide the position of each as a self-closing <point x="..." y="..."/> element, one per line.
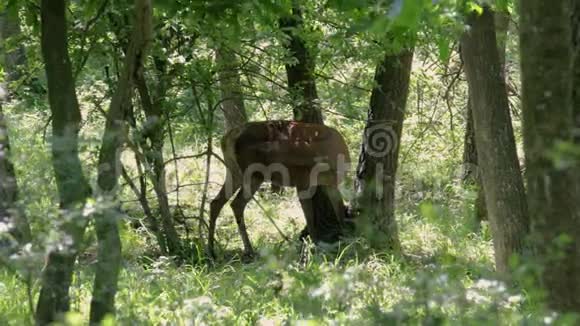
<point x="286" y="153"/>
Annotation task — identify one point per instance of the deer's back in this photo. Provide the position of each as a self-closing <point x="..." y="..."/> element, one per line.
<point x="290" y="143"/>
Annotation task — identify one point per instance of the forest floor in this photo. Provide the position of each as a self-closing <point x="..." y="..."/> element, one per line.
<point x="444" y="275"/>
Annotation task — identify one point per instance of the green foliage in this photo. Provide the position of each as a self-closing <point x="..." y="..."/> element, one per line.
<point x="10" y="6"/>
<point x="410" y="13"/>
<point x="497" y="5"/>
<point x="472" y="6"/>
<point x="502" y="5"/>
<point x="444" y="277"/>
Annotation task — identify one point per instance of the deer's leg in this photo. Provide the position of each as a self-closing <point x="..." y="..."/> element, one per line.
<point x="238" y="206"/>
<point x="215" y="208"/>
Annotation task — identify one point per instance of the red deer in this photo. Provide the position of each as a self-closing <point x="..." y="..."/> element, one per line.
<point x="285" y="153"/>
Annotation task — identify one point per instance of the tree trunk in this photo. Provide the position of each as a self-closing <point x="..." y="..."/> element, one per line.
<point x="232" y="106"/>
<point x="576" y="71"/>
<point x="302" y="84"/>
<point x="73" y="188"/>
<point x="141" y="194"/>
<point x="378" y="161"/>
<point x="300" y="73"/>
<point x="496" y="148"/>
<point x="14" y="60"/>
<point x="471" y="170"/>
<point x="115" y="135"/>
<point x="155" y="131"/>
<point x="152" y="143"/>
<point x="576" y="138"/>
<point x="471" y="174"/>
<point x="552" y="178"/>
<point x="502" y="22"/>
<point x="10" y="211"/>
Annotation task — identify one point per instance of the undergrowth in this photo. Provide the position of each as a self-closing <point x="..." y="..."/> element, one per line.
<point x="444" y="275"/>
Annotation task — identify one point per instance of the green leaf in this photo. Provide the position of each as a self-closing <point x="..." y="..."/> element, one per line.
<point x="472" y="6"/>
<point x="378" y="25"/>
<point x="502" y="5"/>
<point x="444" y="46"/>
<point x="347" y="5"/>
<point x="74" y="318"/>
<point x="10" y="4"/>
<point x="428" y="210"/>
<point x="410" y="12"/>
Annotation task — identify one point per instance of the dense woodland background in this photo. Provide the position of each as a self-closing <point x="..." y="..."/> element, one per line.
<point x="111" y="115"/>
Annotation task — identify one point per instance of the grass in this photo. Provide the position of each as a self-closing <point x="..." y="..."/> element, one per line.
<point x="445" y="277"/>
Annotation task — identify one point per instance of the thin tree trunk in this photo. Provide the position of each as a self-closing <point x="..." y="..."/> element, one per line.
<point x="502" y="181"/>
<point x="300" y="73"/>
<point x="378" y="161"/>
<point x="115" y="135"/>
<point x="302" y="84"/>
<point x="141" y="194"/>
<point x="576" y="71"/>
<point x="154" y="131"/>
<point x="13" y="60"/>
<point x="232" y="105"/>
<point x="152" y="157"/>
<point x="232" y="101"/>
<point x="576" y="132"/>
<point x="11" y="212"/>
<point x="547" y="99"/>
<point x="73" y="188"/>
<point x="471" y="170"/>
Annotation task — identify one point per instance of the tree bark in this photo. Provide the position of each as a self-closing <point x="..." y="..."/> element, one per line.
<point x="300" y="73"/>
<point x="13" y="60"/>
<point x="11" y="212"/>
<point x="471" y="173"/>
<point x="73" y="188"/>
<point x="496" y="148"/>
<point x="154" y="130"/>
<point x="576" y="62"/>
<point x="576" y="134"/>
<point x="152" y="143"/>
<point x="328" y="227"/>
<point x="114" y="136"/>
<point x="378" y="161"/>
<point x="141" y="194"/>
<point x="552" y="177"/>
<point x="471" y="170"/>
<point x="502" y="22"/>
<point x="232" y="106"/>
